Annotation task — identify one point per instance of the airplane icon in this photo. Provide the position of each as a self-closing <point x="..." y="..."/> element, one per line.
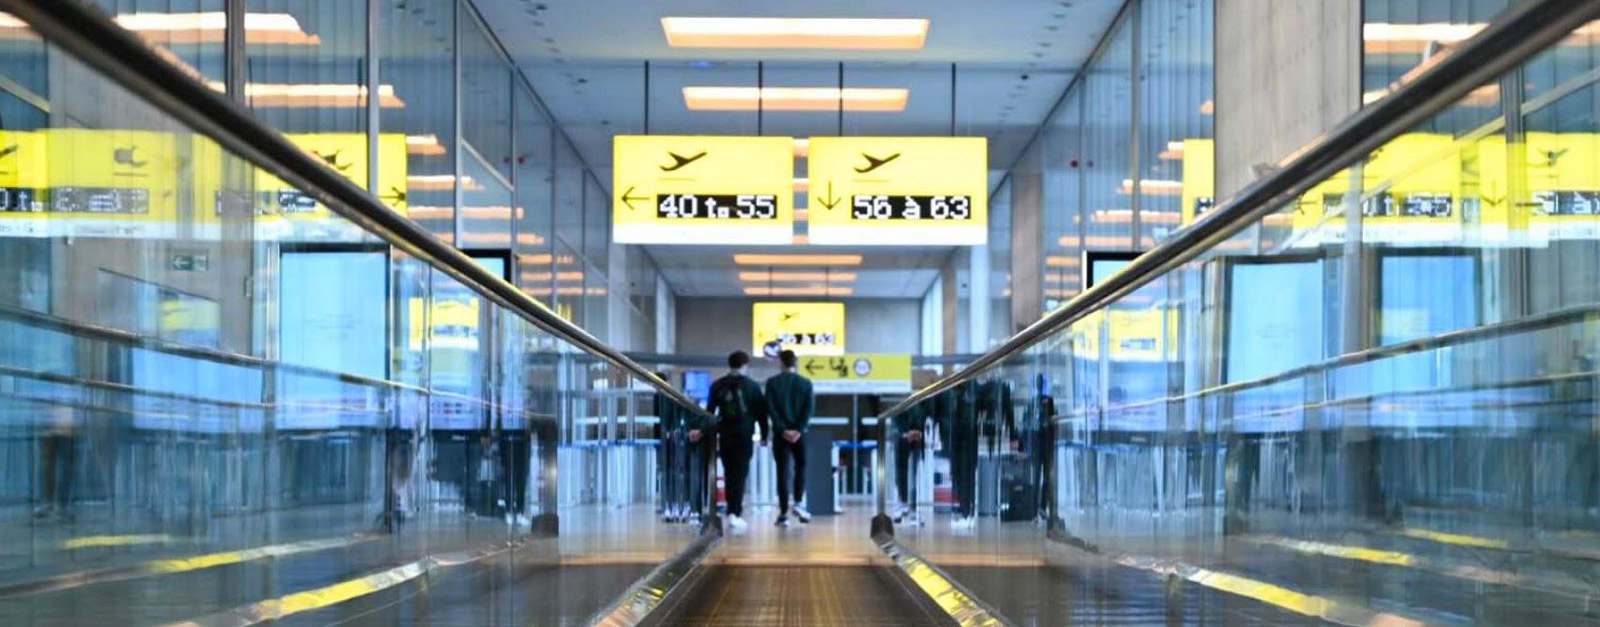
<point x="680" y="161"/>
<point x="124" y="156"/>
<point x="8" y="151"/>
<point x="788" y="316"/>
<point x="332" y="160"/>
<point x="874" y="163"/>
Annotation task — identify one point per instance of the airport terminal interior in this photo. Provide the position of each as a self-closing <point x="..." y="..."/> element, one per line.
<point x="715" y="312"/>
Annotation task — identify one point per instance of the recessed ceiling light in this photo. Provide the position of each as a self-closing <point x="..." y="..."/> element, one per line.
<point x="793" y="276"/>
<point x="301" y="95"/>
<point x="260" y="28"/>
<point x="796" y="260"/>
<point x="793" y="32"/>
<point x="424" y="145"/>
<point x="817" y="290"/>
<point x="795" y="98"/>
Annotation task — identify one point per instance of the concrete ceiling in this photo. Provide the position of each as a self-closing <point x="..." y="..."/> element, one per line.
<point x="1012" y="59"/>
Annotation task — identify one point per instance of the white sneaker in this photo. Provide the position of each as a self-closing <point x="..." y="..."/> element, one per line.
<point x="800" y="513"/>
<point x="964" y="522"/>
<point x="737" y="523"/>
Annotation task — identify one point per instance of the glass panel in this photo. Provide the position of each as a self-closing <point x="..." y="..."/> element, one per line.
<point x="535" y="165"/>
<point x="418" y="58"/>
<point x="214" y="394"/>
<point x="1382" y="411"/>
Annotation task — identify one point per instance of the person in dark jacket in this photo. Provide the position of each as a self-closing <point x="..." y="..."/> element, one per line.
<point x="910" y="443"/>
<point x="790" y="401"/>
<point x="740" y="409"/>
<point x="675" y="474"/>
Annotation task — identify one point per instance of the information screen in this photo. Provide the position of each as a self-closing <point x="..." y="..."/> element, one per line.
<point x="117" y="200"/>
<point x="293" y="201"/>
<point x="911" y="207"/>
<point x="717" y="206"/>
<point x="21" y="200"/>
<point x="1386" y="205"/>
<point x="1567" y="203"/>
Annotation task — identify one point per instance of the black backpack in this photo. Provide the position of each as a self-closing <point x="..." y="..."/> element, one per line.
<point x="730" y="401"/>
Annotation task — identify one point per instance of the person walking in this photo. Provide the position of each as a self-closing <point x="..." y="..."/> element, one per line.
<point x="740" y="409"/>
<point x="790" y="401"/>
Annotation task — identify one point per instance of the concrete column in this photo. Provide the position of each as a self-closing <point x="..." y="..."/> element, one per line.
<point x="978" y="304"/>
<point x="666" y="317"/>
<point x="950" y="301"/>
<point x="1286" y="71"/>
<point x="1027" y="247"/>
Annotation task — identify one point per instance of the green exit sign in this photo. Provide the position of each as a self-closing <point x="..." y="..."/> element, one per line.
<point x="190" y="263"/>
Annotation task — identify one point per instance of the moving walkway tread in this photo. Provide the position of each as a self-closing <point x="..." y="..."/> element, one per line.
<point x="785" y="595"/>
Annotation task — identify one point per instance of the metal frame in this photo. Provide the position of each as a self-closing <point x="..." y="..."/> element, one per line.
<point x="84" y="31"/>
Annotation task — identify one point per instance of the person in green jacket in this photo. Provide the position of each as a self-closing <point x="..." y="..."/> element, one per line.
<point x="790" y="402"/>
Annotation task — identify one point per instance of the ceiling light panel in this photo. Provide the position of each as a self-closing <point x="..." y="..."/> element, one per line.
<point x="799" y="291"/>
<point x="796" y="260"/>
<point x="795" y="33"/>
<point x="865" y="99"/>
<point x="793" y="277"/>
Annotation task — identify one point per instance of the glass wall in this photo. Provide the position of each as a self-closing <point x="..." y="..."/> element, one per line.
<point x="216" y="391"/>
<point x="1125" y="159"/>
<point x="1384" y="413"/>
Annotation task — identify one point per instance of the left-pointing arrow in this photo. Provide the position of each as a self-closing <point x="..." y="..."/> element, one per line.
<point x="628" y="198"/>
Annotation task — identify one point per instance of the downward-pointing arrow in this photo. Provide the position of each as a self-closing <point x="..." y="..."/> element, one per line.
<point x="830" y="201"/>
<point x="628" y="198"/>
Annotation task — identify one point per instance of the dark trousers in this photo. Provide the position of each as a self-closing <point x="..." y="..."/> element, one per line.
<point x="904" y="472"/>
<point x="783" y="452"/>
<point x="964" y="472"/>
<point x="695" y="458"/>
<point x="735" y="452"/>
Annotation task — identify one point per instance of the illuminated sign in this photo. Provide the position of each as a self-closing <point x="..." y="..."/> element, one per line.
<point x="899" y="191"/>
<point x="300" y="215"/>
<point x="88" y="183"/>
<point x="858" y="374"/>
<point x="126" y="183"/>
<point x="805" y="328"/>
<point x="703" y="190"/>
<point x="1199" y="178"/>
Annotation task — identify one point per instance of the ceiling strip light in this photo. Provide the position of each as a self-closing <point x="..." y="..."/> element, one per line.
<point x="211" y="27"/>
<point x="878" y="99"/>
<point x="795" y="33"/>
<point x="790" y="277"/>
<point x="796" y="260"/>
<point x="799" y="291"/>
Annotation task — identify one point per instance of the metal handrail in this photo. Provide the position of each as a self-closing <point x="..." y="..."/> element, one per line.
<point x="1519" y="33"/>
<point x="1447" y="339"/>
<point x="130" y="339"/>
<point x="84" y="31"/>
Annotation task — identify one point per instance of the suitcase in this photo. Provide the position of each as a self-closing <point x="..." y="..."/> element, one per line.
<point x="1019" y="498"/>
<point x="1021" y="501"/>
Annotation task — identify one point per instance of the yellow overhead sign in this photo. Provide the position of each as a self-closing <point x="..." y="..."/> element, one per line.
<point x="858" y="374"/>
<point x="899" y="191"/>
<point x="702" y="190"/>
<point x="805" y="328"/>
